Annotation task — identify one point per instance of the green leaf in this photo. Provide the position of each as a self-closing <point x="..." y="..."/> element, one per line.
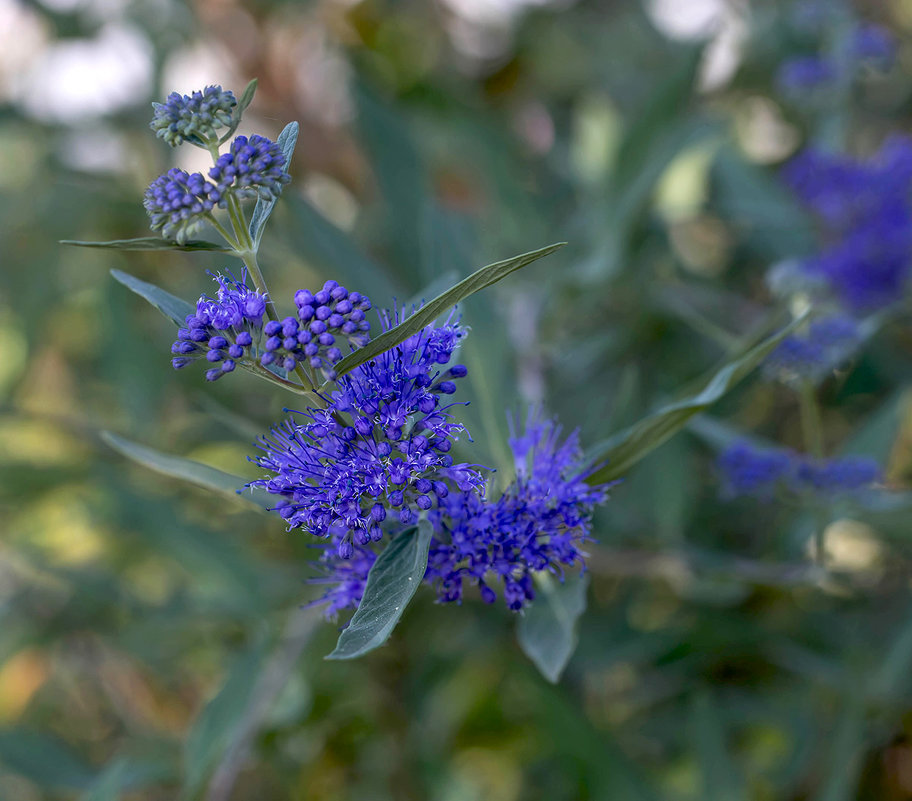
<point x="214" y="728"/>
<point x="150" y="243"/>
<point x="246" y="97"/>
<point x="547" y="629"/>
<point x="721" y="777"/>
<point x="187" y="470"/>
<point x="628" y="447"/>
<point x="109" y="784"/>
<point x="287" y="140"/>
<point x="170" y="305"/>
<point x="391" y="583"/>
<point x="477" y="281"/>
<point x="771" y="220"/>
<point x="31" y="754"/>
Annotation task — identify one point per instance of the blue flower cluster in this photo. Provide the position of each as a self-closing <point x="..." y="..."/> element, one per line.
<point x="865" y="208"/>
<point x="228" y="330"/>
<point x="380" y="446"/>
<point x="194" y="118"/>
<point x="541" y="522"/>
<point x="827" y="343"/>
<point x="253" y="167"/>
<point x="867" y="45"/>
<point x="760" y="472"/>
<point x="178" y="202"/>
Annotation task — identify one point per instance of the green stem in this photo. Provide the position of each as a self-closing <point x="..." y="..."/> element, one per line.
<point x="811" y="424"/>
<point x="248" y="255"/>
<point x="223" y="232"/>
<point x="812" y="429"/>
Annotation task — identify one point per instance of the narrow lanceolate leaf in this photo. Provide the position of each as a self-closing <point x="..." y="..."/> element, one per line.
<point x="391" y="583"/>
<point x="187" y="470"/>
<point x="628" y="447"/>
<point x="149" y="243"/>
<point x="287" y="140"/>
<point x="170" y="305"/>
<point x="547" y="629"/>
<point x="246" y="97"/>
<point x="477" y="281"/>
<point x="214" y="728"/>
<point x="721" y="777"/>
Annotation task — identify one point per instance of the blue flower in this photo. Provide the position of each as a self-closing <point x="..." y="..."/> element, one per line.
<point x="379" y="449"/>
<point x="178" y="203"/>
<point x="749" y="470"/>
<point x="827" y="342"/>
<point x="540" y="523"/>
<point x="845" y="474"/>
<point x="865" y="208"/>
<point x="195" y="118"/>
<point x="223" y="330"/>
<point x="229" y="330"/>
<point x="253" y="167"/>
<point x="873" y="43"/>
<point x="803" y="74"/>
<point x="344" y="579"/>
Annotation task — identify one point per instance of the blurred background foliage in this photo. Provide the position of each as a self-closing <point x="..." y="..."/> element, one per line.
<point x="151" y="644"/>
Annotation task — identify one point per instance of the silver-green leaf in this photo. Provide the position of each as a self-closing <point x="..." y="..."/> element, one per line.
<point x="547" y="629"/>
<point x="196" y="473"/>
<point x="149" y="243"/>
<point x="173" y="307"/>
<point x="631" y="445"/>
<point x="287" y="140"/>
<point x="477" y="281"/>
<point x="391" y="583"/>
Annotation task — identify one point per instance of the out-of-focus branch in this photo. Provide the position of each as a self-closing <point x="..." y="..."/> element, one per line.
<point x="271" y="682"/>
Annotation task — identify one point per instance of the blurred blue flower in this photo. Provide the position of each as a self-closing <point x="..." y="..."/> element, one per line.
<point x="827" y="342"/>
<point x="750" y="470"/>
<point x="195" y="118"/>
<point x="802" y="74"/>
<point x="873" y="43"/>
<point x="865" y="208"/>
<point x="837" y="475"/>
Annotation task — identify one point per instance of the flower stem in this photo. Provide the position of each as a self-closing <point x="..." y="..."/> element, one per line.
<point x="812" y="429"/>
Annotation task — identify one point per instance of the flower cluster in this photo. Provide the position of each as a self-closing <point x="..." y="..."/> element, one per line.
<point x="541" y="522"/>
<point x="750" y="470"/>
<point x="827" y="342"/>
<point x="380" y="446"/>
<point x="223" y="329"/>
<point x="253" y="167"/>
<point x="867" y="45"/>
<point x="865" y="208"/>
<point x="228" y="330"/>
<point x="194" y="118"/>
<point x="178" y="202"/>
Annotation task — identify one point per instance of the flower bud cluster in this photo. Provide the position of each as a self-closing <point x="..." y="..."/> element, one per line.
<point x="312" y="337"/>
<point x="223" y="329"/>
<point x="194" y="118"/>
<point x="229" y="329"/>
